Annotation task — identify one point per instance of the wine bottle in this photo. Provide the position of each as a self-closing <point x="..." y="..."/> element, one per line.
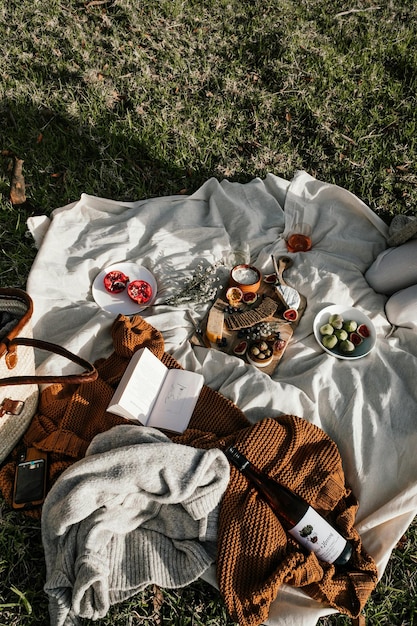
<point x="300" y="519"/>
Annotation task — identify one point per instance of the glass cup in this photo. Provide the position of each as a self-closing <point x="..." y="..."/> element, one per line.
<point x="299" y="238"/>
<point x="240" y="255"/>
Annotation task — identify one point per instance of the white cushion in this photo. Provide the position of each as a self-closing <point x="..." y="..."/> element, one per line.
<point x="401" y="308"/>
<point x="394" y="269"/>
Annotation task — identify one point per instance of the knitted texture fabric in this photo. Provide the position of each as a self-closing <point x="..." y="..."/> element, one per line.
<point x="254" y="554"/>
<point x="69" y="416"/>
<point x="136" y="510"/>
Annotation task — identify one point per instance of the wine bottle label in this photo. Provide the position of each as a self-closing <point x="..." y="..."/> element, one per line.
<point x="237" y="458"/>
<point x="313" y="532"/>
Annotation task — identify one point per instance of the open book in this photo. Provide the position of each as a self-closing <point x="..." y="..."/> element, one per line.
<point x="154" y="395"/>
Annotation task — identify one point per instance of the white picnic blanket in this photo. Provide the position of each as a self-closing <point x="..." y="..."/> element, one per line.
<point x="368" y="406"/>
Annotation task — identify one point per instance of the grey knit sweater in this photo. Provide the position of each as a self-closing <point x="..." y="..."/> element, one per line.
<point x="137" y="510"/>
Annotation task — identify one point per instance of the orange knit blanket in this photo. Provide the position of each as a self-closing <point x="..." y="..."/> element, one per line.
<point x="255" y="555"/>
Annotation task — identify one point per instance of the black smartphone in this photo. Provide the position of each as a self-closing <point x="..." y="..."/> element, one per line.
<point x="30" y="481"/>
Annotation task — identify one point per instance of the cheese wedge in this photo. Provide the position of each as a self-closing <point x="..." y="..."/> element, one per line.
<point x="214" y="330"/>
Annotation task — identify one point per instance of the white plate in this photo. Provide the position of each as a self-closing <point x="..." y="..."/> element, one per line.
<point x="120" y="302"/>
<point x="347" y="313"/>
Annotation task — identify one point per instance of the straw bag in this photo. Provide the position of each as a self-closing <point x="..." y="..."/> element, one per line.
<point x="19" y="389"/>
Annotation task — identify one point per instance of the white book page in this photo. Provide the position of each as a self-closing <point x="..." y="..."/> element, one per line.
<point x="175" y="404"/>
<point x="141" y="386"/>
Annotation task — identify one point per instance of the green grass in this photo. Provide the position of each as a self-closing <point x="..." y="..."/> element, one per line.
<point x="128" y="99"/>
<point x="23" y="603"/>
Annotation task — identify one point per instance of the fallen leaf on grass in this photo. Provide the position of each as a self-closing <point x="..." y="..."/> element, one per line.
<point x="403" y="168"/>
<point x="17" y="183"/>
<point x="96" y="3"/>
<point x="158" y="601"/>
<point x="402" y="542"/>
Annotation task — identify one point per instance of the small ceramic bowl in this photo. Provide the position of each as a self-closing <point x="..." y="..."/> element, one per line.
<point x="366" y="344"/>
<point x="246" y="277"/>
<point x="260" y="354"/>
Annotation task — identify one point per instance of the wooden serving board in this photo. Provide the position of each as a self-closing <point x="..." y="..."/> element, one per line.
<point x="231" y="337"/>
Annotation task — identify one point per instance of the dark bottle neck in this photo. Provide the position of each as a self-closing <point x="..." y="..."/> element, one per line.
<point x="286" y="504"/>
<point x="238" y="459"/>
<point x="251" y="471"/>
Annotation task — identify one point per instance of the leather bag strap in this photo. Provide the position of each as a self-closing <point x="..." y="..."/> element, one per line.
<point x="88" y="375"/>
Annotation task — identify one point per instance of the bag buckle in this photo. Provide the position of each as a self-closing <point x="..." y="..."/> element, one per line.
<point x="11" y="407"/>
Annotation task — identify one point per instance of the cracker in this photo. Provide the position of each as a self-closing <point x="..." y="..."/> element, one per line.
<point x="236" y="321"/>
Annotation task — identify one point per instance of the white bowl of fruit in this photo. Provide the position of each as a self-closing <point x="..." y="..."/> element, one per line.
<point x="344" y="332"/>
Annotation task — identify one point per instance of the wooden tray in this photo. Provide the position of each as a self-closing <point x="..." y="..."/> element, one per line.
<point x="279" y="326"/>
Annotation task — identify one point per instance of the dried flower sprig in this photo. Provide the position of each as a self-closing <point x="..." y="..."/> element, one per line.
<point x="199" y="288"/>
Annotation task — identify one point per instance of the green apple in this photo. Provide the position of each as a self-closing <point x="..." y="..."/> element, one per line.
<point x="329" y="341"/>
<point x="326" y="329"/>
<point x="336" y="320"/>
<point x="341" y="334"/>
<point x="347" y="346"/>
<point x="350" y="326"/>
